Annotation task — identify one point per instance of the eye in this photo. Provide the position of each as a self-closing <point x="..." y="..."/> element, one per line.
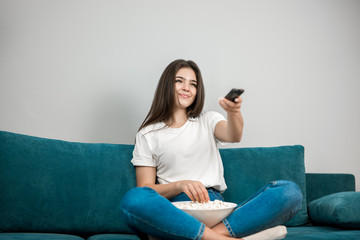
<point x="193" y="83"/>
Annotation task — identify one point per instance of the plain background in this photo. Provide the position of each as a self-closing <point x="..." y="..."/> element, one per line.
<point x="86" y="71"/>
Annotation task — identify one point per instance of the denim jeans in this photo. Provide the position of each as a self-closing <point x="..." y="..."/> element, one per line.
<point x="148" y="213"/>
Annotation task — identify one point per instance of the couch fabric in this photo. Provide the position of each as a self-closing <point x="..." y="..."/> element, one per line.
<point x="58" y="186"/>
<point x="338" y="209"/>
<point x="266" y="164"/>
<point x="54" y="189"/>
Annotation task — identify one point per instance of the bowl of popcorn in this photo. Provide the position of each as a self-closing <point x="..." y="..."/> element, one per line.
<point x="209" y="213"/>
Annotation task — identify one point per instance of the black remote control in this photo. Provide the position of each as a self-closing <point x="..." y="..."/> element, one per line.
<point x="234" y="93"/>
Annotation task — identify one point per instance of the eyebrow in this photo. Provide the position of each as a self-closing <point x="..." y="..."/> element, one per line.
<point x="192" y="80"/>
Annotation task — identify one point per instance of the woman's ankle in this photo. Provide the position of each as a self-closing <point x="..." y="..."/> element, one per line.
<point x="210" y="234"/>
<point x="221" y="229"/>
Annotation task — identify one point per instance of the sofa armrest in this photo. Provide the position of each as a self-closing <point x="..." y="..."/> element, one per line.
<point x="322" y="184"/>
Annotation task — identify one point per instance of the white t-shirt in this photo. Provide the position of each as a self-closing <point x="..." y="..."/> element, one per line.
<point x="186" y="153"/>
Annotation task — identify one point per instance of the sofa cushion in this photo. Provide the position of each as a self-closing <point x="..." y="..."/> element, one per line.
<point x="57" y="186"/>
<point x="340" y="209"/>
<point x="321" y="233"/>
<point x="249" y="169"/>
<point x="37" y="236"/>
<point x="114" y="237"/>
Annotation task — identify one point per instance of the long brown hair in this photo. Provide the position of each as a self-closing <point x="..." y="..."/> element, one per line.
<point x="163" y="102"/>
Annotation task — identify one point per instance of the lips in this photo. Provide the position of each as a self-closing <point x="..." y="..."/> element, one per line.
<point x="184" y="95"/>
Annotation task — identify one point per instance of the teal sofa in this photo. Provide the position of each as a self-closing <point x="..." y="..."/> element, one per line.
<point x="53" y="189"/>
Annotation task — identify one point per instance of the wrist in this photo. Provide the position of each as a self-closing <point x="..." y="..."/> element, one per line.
<point x="178" y="187"/>
<point x="234" y="114"/>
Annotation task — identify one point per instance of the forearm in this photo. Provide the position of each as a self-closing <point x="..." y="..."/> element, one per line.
<point x="232" y="129"/>
<point x="235" y="125"/>
<point x="195" y="190"/>
<point x="166" y="190"/>
<point x="146" y="177"/>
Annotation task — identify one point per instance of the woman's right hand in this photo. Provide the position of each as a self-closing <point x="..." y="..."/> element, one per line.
<point x="195" y="190"/>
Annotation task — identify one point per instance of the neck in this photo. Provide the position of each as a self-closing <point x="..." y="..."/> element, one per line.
<point x="178" y="118"/>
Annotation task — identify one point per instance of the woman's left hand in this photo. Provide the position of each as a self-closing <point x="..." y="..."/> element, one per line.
<point x="229" y="106"/>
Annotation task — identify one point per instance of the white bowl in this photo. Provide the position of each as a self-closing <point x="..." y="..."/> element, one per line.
<point x="210" y="217"/>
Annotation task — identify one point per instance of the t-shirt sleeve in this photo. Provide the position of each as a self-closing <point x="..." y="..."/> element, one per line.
<point x="142" y="155"/>
<point x="214" y="118"/>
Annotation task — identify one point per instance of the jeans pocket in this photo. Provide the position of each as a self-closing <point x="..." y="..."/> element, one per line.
<point x="215" y="195"/>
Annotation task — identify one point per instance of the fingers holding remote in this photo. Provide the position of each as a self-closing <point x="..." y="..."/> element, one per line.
<point x="230" y="106"/>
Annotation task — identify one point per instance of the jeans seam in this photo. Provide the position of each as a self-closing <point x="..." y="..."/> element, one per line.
<point x="201" y="232"/>
<point x="202" y="228"/>
<point x="228" y="227"/>
<point x="269" y="185"/>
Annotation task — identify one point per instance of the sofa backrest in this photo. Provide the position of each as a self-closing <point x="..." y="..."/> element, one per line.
<point x="248" y="169"/>
<point x="322" y="184"/>
<point x="56" y="186"/>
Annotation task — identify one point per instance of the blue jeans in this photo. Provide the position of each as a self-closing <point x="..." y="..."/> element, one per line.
<point x="148" y="213"/>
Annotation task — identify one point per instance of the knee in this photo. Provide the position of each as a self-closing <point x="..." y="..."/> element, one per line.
<point x="136" y="198"/>
<point x="292" y="193"/>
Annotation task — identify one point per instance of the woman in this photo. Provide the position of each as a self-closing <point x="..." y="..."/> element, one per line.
<point x="176" y="159"/>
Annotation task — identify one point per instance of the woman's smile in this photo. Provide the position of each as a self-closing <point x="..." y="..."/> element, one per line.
<point x="184" y="95"/>
<point x="185" y="87"/>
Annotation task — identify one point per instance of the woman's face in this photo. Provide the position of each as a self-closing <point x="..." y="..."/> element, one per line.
<point x="185" y="87"/>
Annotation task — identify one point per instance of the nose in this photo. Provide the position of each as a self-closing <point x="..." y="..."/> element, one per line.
<point x="186" y="85"/>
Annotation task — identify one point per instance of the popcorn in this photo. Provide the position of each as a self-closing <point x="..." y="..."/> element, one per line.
<point x="211" y="205"/>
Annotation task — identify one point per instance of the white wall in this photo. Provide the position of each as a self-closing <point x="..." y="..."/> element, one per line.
<point x="86" y="70"/>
